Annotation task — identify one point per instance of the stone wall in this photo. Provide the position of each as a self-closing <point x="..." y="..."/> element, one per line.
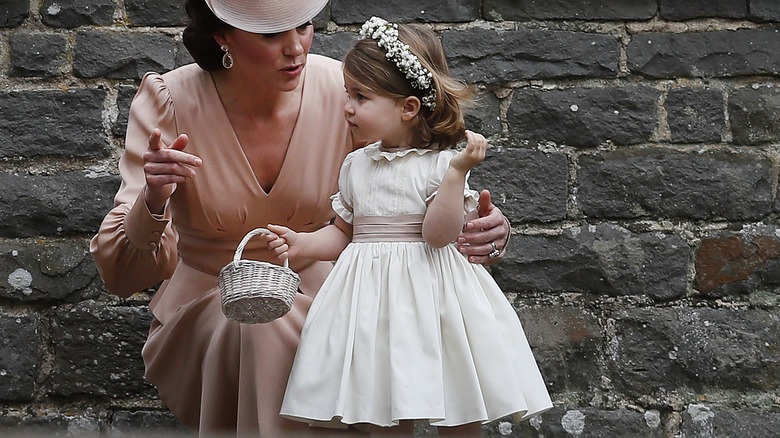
<point x="635" y="151"/>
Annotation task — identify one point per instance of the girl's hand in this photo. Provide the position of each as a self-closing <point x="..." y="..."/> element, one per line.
<point x="164" y="167"/>
<point x="282" y="242"/>
<point x="472" y="155"/>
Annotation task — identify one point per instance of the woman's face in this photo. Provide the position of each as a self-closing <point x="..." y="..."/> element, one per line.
<point x="274" y="59"/>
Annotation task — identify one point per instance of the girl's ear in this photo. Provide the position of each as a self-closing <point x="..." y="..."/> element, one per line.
<point x="410" y="107"/>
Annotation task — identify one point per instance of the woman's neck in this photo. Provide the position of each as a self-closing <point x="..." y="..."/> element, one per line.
<point x="252" y="97"/>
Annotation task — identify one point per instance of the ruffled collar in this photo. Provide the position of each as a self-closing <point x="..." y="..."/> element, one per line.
<point x="375" y="152"/>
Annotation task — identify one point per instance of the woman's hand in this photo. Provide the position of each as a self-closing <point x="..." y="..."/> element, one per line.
<point x="484" y="239"/>
<point x="164" y="167"/>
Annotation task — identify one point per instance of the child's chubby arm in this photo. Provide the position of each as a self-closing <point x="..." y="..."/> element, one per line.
<point x="324" y="244"/>
<point x="444" y="218"/>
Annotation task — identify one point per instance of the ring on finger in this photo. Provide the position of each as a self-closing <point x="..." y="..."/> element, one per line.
<point x="493" y="254"/>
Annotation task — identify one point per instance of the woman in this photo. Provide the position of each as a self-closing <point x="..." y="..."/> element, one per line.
<point x="265" y="137"/>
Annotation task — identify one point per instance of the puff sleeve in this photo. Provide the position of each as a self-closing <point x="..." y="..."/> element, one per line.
<point x="341" y="202"/>
<point x="134" y="249"/>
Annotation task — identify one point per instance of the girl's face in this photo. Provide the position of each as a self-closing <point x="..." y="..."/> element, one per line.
<point x="274" y="59"/>
<point x="373" y="117"/>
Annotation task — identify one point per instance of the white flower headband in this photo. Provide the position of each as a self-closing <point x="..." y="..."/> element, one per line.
<point x="387" y="36"/>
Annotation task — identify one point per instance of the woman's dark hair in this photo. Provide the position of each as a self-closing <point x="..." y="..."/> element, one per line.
<point x="198" y="36"/>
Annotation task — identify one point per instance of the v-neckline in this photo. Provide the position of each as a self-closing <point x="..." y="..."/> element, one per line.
<point x="290" y="143"/>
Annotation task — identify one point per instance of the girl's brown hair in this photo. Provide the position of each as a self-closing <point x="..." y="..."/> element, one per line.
<point x="440" y="128"/>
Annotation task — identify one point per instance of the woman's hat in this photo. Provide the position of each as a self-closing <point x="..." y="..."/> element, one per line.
<point x="266" y="16"/>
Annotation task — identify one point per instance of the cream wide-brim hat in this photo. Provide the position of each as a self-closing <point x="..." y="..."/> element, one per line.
<point x="266" y="16"/>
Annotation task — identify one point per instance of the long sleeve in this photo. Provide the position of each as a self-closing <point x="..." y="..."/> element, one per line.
<point x="134" y="249"/>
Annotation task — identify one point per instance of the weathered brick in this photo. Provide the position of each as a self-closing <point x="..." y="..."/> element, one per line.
<point x="75" y="13"/>
<point x="50" y="205"/>
<point x="19" y="357"/>
<point x="754" y="114"/>
<point x="122" y="55"/>
<point x="695" y="115"/>
<point x="738" y="263"/>
<point x="528" y="185"/>
<point x="567" y="344"/>
<point x="156" y="13"/>
<point x="47" y="270"/>
<point x="123" y="101"/>
<point x="663" y="183"/>
<point x="561" y="422"/>
<point x="570" y="10"/>
<point x="500" y="56"/>
<point x="52" y="422"/>
<point x="146" y="423"/>
<point x="183" y="56"/>
<point x="583" y="117"/>
<point x="14" y="12"/>
<point x="605" y="259"/>
<point x="485" y="114"/>
<point x="698" y="349"/>
<point x="358" y="11"/>
<point x="764" y="10"/>
<point x="713" y="421"/>
<point x="704" y="54"/>
<point x="34" y="123"/>
<point x="97" y="351"/>
<point x="37" y="54"/>
<point x="679" y="11"/>
<point x="333" y="45"/>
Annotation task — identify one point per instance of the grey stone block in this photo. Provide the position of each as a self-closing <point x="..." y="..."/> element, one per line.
<point x="585" y="422"/>
<point x="14" y="12"/>
<point x="764" y="10"/>
<point x="37" y="54"/>
<point x="47" y="271"/>
<point x="704" y="54"/>
<point x="122" y="55"/>
<point x="53" y="122"/>
<point x="74" y="13"/>
<point x="698" y="349"/>
<point x="695" y="115"/>
<point x="527" y="185"/>
<point x="97" y="351"/>
<point x="754" y="114"/>
<point x="123" y="101"/>
<point x="20" y="357"/>
<point x="687" y="10"/>
<point x="52" y="205"/>
<point x="156" y="13"/>
<point x="333" y="45"/>
<point x="713" y="421"/>
<point x="499" y="57"/>
<point x="583" y="117"/>
<point x="570" y="10"/>
<point x="605" y="259"/>
<point x="484" y="114"/>
<point x="146" y="423"/>
<point x="669" y="184"/>
<point x="356" y="11"/>
<point x="567" y="344"/>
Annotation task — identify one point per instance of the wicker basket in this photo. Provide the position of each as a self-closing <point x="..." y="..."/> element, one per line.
<point x="254" y="291"/>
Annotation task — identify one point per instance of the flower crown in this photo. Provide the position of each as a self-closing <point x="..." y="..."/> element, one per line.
<point x="387" y="36"/>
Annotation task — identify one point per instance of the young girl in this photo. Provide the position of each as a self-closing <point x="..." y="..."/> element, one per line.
<point x="405" y="328"/>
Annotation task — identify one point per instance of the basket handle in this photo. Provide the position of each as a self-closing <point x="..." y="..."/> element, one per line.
<point x="245" y="240"/>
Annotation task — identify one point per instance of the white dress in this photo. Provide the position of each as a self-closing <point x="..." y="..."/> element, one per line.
<point x="401" y="330"/>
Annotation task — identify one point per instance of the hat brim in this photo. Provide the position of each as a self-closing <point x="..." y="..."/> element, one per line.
<point x="266" y="16"/>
